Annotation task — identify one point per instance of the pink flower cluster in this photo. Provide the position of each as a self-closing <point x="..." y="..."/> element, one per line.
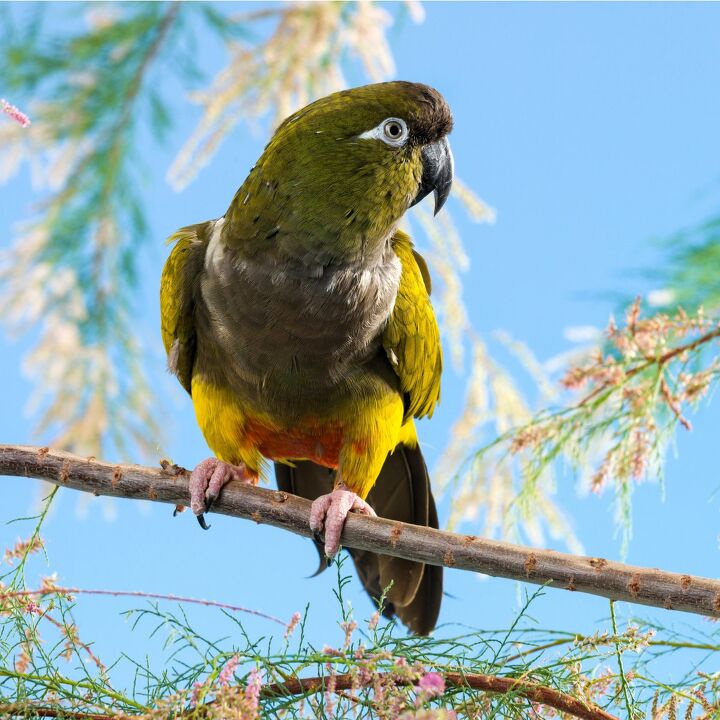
<point x="252" y="689"/>
<point x="14" y="113"/>
<point x="228" y="672"/>
<point x="431" y="684"/>
<point x="294" y="620"/>
<point x="225" y="694"/>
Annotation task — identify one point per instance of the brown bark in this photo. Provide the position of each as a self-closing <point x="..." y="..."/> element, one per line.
<point x="596" y="576"/>
<point x="486" y="683"/>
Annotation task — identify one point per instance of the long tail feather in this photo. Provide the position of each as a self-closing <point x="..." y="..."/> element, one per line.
<point x="401" y="492"/>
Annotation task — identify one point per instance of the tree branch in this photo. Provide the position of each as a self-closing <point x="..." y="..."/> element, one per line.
<point x="487" y="683"/>
<point x="596" y="576"/>
<point x="24" y="710"/>
<point x="308" y="686"/>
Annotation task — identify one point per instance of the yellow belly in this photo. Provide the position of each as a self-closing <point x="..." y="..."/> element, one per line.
<point x="355" y="438"/>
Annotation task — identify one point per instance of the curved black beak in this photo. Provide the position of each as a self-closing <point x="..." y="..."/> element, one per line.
<point x="437" y="174"/>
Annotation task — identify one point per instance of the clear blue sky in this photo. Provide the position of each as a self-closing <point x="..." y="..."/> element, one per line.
<point x="592" y="129"/>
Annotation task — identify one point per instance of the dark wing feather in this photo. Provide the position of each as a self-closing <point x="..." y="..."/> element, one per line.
<point x="402" y="492"/>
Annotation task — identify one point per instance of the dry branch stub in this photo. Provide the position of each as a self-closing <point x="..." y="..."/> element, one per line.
<point x="596" y="576"/>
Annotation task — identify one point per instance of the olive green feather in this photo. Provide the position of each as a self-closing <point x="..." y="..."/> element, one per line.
<point x="178" y="287"/>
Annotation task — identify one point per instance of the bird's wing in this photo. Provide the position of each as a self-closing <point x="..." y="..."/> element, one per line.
<point x="178" y="286"/>
<point x="411" y="338"/>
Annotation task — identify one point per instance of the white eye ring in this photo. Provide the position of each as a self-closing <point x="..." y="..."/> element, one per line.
<point x="392" y="131"/>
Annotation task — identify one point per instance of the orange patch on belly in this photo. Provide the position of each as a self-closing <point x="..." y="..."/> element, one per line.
<point x="319" y="443"/>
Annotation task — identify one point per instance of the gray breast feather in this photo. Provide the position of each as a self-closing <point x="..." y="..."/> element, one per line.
<point x="264" y="320"/>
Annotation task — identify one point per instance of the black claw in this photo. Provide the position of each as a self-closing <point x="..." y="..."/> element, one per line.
<point x="318" y="537"/>
<point x="209" y="501"/>
<point x="201" y="521"/>
<point x="175" y="512"/>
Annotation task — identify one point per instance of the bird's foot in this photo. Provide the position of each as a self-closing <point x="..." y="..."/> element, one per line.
<point x="208" y="479"/>
<point x="329" y="512"/>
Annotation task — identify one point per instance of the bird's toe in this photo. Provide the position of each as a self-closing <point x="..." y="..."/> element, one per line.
<point x="329" y="512"/>
<point x="207" y="481"/>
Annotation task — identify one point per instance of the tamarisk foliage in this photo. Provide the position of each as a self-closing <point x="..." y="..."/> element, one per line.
<point x="629" y="395"/>
<point x="369" y="670"/>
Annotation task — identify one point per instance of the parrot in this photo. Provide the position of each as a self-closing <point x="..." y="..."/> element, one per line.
<point x="301" y="325"/>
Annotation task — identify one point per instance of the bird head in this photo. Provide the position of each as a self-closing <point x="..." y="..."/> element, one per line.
<point x="338" y="174"/>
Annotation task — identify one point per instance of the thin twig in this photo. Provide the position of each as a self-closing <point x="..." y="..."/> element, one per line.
<point x="659" y="361"/>
<point x="621" y="669"/>
<point x="56" y="590"/>
<point x="672" y="402"/>
<point x="576" y="638"/>
<point x="596" y="576"/>
<point x="75" y="640"/>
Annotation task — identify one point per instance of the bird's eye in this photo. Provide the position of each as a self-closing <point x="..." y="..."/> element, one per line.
<point x="393" y="130"/>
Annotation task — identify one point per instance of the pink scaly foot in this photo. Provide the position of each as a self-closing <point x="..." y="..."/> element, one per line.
<point x="330" y="511"/>
<point x="208" y="479"/>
